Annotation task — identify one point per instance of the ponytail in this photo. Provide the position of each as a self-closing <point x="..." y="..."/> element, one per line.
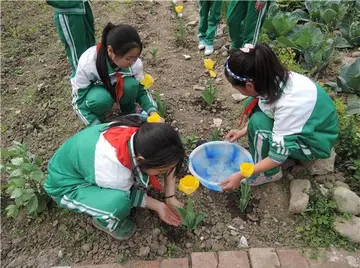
<point x="159" y="144"/>
<point x="122" y="38"/>
<point x="260" y="66"/>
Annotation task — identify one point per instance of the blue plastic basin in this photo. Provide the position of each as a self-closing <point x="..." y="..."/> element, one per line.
<point x="213" y="162"/>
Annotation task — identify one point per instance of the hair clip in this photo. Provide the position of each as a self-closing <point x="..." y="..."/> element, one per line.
<point x="236" y="77"/>
<point x="247" y="48"/>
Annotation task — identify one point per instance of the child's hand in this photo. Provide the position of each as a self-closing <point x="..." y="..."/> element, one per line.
<point x="235" y="134"/>
<point x="232" y="182"/>
<point x="168" y="215"/>
<point x="173" y="202"/>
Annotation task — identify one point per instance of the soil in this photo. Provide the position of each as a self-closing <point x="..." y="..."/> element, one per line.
<point x="36" y="110"/>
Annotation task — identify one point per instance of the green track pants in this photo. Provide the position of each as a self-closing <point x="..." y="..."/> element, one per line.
<point x="244" y="22"/>
<point x="77" y="33"/>
<point x="210" y="15"/>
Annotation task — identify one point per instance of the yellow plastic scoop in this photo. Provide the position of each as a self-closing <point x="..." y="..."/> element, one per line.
<point x="246" y="169"/>
<point x="154" y="118"/>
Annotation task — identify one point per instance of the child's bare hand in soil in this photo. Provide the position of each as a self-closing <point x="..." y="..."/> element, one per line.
<point x="174" y="202"/>
<point x="168" y="215"/>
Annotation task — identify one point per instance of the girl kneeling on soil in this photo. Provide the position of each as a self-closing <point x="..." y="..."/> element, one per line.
<point x="105" y="169"/>
<point x="290" y="115"/>
<point x="110" y="73"/>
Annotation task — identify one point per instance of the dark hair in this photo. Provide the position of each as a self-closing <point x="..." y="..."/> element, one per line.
<point x="158" y="143"/>
<point x="122" y="39"/>
<point x="260" y="66"/>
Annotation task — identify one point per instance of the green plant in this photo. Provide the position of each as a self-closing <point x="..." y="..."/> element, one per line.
<point x="316" y="224"/>
<point x="354" y="180"/>
<point x="25" y="179"/>
<point x="190" y="142"/>
<point x="154" y="52"/>
<point x="189" y="218"/>
<point x="244" y="193"/>
<point x="172" y="249"/>
<point x="289" y="6"/>
<point x="215" y="135"/>
<point x="349" y="78"/>
<point x="209" y="94"/>
<point x="161" y="104"/>
<point x="287" y="57"/>
<point x="180" y="33"/>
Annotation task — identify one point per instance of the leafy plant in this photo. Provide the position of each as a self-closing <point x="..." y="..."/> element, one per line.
<point x="209" y="94"/>
<point x="279" y="23"/>
<point x="189" y="218"/>
<point x="316" y="225"/>
<point x="286" y="5"/>
<point x="161" y="104"/>
<point x="215" y="135"/>
<point x="154" y="52"/>
<point x="180" y="33"/>
<point x="287" y="56"/>
<point x="25" y="179"/>
<point x="354" y="180"/>
<point x="244" y="196"/>
<point x="349" y="78"/>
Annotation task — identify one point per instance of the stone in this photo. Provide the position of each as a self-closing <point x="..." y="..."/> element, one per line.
<point x="225" y="53"/>
<point x="342" y="184"/>
<point x="238" y="97"/>
<point x="156" y="232"/>
<point x="346" y="200"/>
<point x="60" y="254"/>
<point x="233" y="233"/>
<point x="348" y="228"/>
<point x="187" y="95"/>
<point x="187" y="57"/>
<point x="321" y="166"/>
<point x="173" y="123"/>
<point x="219" y="43"/>
<point x="263" y="258"/>
<point x="162" y="250"/>
<point x="86" y="247"/>
<point x="198" y="88"/>
<point x="233" y="259"/>
<point x="243" y="243"/>
<point x="220" y="227"/>
<point x="191" y="23"/>
<point x="355" y="54"/>
<point x="144" y="251"/>
<point x="299" y="190"/>
<point x="188" y="245"/>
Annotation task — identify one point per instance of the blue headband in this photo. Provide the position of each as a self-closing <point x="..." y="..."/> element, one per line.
<point x="236" y="77"/>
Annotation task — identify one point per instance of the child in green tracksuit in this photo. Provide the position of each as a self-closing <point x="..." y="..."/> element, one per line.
<point x="290" y="115"/>
<point x="245" y="19"/>
<point x="210" y="15"/>
<point x="75" y="24"/>
<point x="105" y="170"/>
<point x="111" y="73"/>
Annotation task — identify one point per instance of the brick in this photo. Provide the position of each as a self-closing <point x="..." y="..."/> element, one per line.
<point x="263" y="258"/>
<point x="204" y="259"/>
<point x="142" y="264"/>
<point x="98" y="266"/>
<point x="333" y="258"/>
<point x="233" y="259"/>
<point x="175" y="263"/>
<point x="292" y="258"/>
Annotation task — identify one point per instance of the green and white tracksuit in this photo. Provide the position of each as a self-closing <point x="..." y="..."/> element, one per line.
<point x="245" y="22"/>
<point x="210" y="15"/>
<point x="95" y="172"/>
<point x="302" y="124"/>
<point x="92" y="101"/>
<point x="75" y="24"/>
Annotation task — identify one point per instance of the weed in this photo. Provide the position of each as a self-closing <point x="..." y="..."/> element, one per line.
<point x="244" y="196"/>
<point x="209" y="94"/>
<point x="190" y="142"/>
<point x="215" y="135"/>
<point x="287" y="58"/>
<point x="154" y="52"/>
<point x="316" y="225"/>
<point x="25" y="180"/>
<point x="180" y="33"/>
<point x="161" y="104"/>
<point x="172" y="249"/>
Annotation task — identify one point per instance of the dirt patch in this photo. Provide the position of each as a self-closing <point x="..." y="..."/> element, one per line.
<point x="36" y="110"/>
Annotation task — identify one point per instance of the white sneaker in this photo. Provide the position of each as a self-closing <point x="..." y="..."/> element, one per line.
<point x="209" y="50"/>
<point x="258" y="180"/>
<point x="201" y="45"/>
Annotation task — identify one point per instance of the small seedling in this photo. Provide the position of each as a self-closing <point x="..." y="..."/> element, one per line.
<point x="189" y="218"/>
<point x="154" y="52"/>
<point x="190" y="141"/>
<point x="244" y="192"/>
<point x="209" y="94"/>
<point x="215" y="135"/>
<point x="180" y="33"/>
<point x="161" y="104"/>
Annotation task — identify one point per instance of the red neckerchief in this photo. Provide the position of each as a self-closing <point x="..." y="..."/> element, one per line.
<point x="248" y="110"/>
